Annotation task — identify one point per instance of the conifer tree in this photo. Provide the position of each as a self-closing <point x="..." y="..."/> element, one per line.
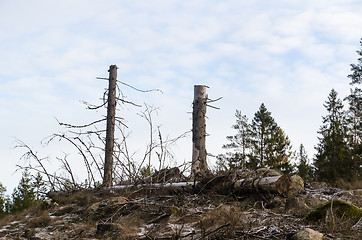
<point x="259" y="144"/>
<point x="270" y="146"/>
<point x="3" y="201"/>
<point x="332" y="160"/>
<point x="24" y="196"/>
<point x="354" y="116"/>
<point x="262" y="126"/>
<point x="304" y="169"/>
<point x="239" y="143"/>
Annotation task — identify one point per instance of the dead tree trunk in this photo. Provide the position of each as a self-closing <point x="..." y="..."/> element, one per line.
<point x="284" y="185"/>
<point x="111" y="116"/>
<point x="199" y="164"/>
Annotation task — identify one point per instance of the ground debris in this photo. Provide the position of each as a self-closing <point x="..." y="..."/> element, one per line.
<point x="149" y="214"/>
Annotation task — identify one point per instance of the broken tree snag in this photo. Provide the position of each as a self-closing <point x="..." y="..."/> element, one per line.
<point x="111" y="116"/>
<point x="284" y="185"/>
<point x="199" y="165"/>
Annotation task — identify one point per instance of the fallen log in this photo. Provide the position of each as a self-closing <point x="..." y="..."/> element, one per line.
<point x="284" y="185"/>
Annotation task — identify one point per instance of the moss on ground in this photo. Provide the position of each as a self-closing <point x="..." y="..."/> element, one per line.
<point x="340" y="209"/>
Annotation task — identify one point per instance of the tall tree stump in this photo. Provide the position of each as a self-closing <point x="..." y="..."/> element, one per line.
<point x="199" y="165"/>
<point x="111" y="117"/>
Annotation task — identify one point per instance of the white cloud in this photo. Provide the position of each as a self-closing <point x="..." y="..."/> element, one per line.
<point x="288" y="54"/>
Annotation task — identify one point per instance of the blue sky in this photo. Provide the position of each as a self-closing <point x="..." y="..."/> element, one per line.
<point x="286" y="54"/>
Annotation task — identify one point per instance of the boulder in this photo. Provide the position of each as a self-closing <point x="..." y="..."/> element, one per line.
<point x="307" y="234"/>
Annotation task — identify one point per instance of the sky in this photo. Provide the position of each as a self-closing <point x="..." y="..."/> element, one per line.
<point x="285" y="54"/>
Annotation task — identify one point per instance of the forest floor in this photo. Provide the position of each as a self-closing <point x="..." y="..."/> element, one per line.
<point x="148" y="213"/>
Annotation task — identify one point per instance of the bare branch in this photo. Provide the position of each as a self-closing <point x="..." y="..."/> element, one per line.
<point x="79" y="126"/>
<point x="30" y="154"/>
<point x="212" y="106"/>
<point x="124" y="101"/>
<point x="137" y="89"/>
<point x="94" y="107"/>
<point x="211" y="100"/>
<point x="144" y="91"/>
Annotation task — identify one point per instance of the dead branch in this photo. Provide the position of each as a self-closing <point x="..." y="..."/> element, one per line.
<point x="79" y="126"/>
<point x="134" y="88"/>
<point x="91" y="154"/>
<point x="211" y="100"/>
<point x="216" y="229"/>
<point x="80" y="151"/>
<point x="124" y="101"/>
<point x="94" y="107"/>
<point x="30" y="154"/>
<point x="67" y="168"/>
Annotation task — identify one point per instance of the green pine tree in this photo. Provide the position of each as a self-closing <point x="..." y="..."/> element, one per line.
<point x="262" y="126"/>
<point x="4" y="200"/>
<point x="24" y="195"/>
<point x="259" y="144"/>
<point x="304" y="169"/>
<point x="354" y="117"/>
<point x="270" y="146"/>
<point x="239" y="143"/>
<point x="356" y="75"/>
<point x="332" y="160"/>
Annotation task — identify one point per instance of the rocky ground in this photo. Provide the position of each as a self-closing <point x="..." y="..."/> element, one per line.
<point x="146" y="213"/>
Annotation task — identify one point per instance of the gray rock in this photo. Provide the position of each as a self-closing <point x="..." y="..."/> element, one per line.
<point x="296" y="205"/>
<point x="308" y="234"/>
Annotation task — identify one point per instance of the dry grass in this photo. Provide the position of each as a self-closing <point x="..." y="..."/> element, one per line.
<point x="41" y="220"/>
<point x="81" y="198"/>
<point x="341" y="183"/>
<point x="8" y="219"/>
<point x="130" y="225"/>
<point x="19" y="216"/>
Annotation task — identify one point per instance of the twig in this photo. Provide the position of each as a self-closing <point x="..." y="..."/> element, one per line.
<point x="30" y="154"/>
<point x="79" y="126"/>
<point x="159" y="218"/>
<point x="124" y="101"/>
<point x="217" y="229"/>
<point x="144" y="91"/>
<point x="126" y="84"/>
<point x="212" y="106"/>
<point x="211" y="100"/>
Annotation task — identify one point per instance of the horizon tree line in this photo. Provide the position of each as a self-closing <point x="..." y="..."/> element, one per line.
<point x="262" y="143"/>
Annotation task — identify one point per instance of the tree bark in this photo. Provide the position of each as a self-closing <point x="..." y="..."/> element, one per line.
<point x="199" y="165"/>
<point x="111" y="115"/>
<point x="284" y="185"/>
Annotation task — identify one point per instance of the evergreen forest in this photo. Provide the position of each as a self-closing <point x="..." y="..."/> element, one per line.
<point x="262" y="143"/>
